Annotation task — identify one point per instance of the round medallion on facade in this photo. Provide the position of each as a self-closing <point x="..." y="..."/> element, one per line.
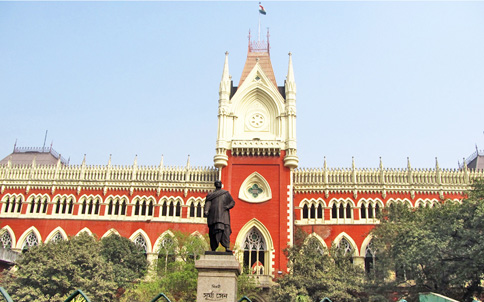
<point x="256" y="120"/>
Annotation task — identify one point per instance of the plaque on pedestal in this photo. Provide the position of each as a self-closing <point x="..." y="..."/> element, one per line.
<point x="217" y="277"/>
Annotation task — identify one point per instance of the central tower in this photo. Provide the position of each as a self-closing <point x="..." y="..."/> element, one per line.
<point x="256" y="154"/>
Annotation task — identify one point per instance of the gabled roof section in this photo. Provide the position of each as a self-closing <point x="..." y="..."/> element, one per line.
<point x="258" y="51"/>
<point x="25" y="156"/>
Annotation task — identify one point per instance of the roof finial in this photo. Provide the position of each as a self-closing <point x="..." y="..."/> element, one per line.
<point x="290" y="71"/>
<point x="408" y="163"/>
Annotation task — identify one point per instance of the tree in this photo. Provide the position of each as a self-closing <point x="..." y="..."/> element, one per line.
<point x="127" y="259"/>
<point x="435" y="248"/>
<point x="315" y="274"/>
<point x="48" y="272"/>
<point x="176" y="272"/>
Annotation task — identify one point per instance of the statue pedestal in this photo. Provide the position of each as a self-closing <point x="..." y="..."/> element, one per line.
<point x="217" y="277"/>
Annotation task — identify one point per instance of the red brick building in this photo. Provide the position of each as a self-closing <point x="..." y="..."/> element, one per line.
<point x="256" y="159"/>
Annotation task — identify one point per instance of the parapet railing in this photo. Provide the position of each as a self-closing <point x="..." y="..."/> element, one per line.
<point x="108" y="176"/>
<point x="371" y="180"/>
<point x="41" y="150"/>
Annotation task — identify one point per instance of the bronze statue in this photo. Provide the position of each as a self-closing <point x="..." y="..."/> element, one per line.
<point x="217" y="206"/>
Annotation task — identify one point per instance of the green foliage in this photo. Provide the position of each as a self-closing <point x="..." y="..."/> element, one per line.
<point x="435" y="249"/>
<point x="51" y="271"/>
<point x="246" y="285"/>
<point x="316" y="274"/>
<point x="176" y="275"/>
<point x="128" y="260"/>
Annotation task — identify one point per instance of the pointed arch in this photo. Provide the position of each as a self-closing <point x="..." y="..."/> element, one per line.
<point x="32" y="230"/>
<point x="404" y="201"/>
<point x="195" y="207"/>
<point x="317" y="237"/>
<point x="159" y="240"/>
<point x="110" y="232"/>
<point x="255" y="189"/>
<point x="142" y="233"/>
<point x="12" y="203"/>
<point x="87" y="230"/>
<point x="267" y="238"/>
<point x="340" y="237"/>
<point x="365" y="243"/>
<point x="9" y="231"/>
<point x="54" y="233"/>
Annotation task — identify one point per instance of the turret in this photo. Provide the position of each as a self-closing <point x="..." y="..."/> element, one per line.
<point x="291" y="160"/>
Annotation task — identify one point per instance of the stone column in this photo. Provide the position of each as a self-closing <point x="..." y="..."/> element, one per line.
<point x="217" y="277"/>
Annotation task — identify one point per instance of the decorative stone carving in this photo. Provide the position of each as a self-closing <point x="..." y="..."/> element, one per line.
<point x="255" y="189"/>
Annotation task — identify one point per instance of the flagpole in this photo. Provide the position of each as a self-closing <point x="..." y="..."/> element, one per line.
<point x="258" y="38"/>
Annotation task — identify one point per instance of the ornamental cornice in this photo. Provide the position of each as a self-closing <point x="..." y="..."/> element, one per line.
<point x="257" y="147"/>
<point x="384" y="181"/>
<point x="132" y="178"/>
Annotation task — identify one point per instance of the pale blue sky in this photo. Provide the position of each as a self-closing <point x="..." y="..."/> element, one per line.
<point x="389" y="79"/>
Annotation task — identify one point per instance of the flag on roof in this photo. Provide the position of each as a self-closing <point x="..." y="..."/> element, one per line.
<point x="261" y="9"/>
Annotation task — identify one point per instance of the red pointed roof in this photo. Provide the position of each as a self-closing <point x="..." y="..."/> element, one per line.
<point x="258" y="50"/>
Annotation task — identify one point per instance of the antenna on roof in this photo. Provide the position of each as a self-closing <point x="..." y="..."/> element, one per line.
<point x="45" y="138"/>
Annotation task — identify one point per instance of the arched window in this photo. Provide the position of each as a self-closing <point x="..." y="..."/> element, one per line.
<point x="341" y="211"/>
<point x="89" y="210"/>
<point x="199" y="210"/>
<point x="348" y="211"/>
<point x="345" y="246"/>
<point x="255" y="253"/>
<point x="164" y="209"/>
<point x="141" y="242"/>
<point x="123" y="208"/>
<point x="313" y="242"/>
<point x="192" y="210"/>
<point x="30" y="241"/>
<point x="7" y="204"/>
<point x="320" y="211"/>
<point x="305" y="212"/>
<point x="110" y="207"/>
<point x="19" y="205"/>
<point x="370" y="211"/>
<point x="369" y="258"/>
<point x="84" y="207"/>
<point x="313" y="212"/>
<point x="363" y="211"/>
<point x="150" y="209"/>
<point x="143" y="208"/>
<point x="32" y="205"/>
<point x="178" y="209"/>
<point x="116" y="207"/>
<point x="57" y="237"/>
<point x="71" y="206"/>
<point x="136" y="208"/>
<point x="98" y="205"/>
<point x="6" y="240"/>
<point x="170" y="209"/>
<point x="44" y="208"/>
<point x="64" y="205"/>
<point x="334" y="212"/>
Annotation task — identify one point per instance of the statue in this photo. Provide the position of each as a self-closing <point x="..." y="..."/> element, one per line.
<point x="217" y="206"/>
